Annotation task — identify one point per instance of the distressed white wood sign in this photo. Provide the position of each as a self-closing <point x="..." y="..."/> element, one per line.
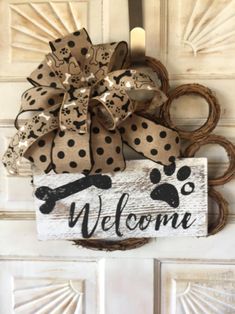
<point x="146" y="200"/>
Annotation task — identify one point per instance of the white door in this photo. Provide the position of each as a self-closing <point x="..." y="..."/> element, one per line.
<point x="195" y="39"/>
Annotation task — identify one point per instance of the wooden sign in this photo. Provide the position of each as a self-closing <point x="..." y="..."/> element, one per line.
<point x="146" y="200"/>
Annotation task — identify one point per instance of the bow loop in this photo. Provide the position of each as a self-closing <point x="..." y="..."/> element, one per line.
<point x="74" y="111"/>
<point x="86" y="106"/>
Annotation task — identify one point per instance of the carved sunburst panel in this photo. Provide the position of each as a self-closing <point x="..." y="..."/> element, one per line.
<point x="198" y="288"/>
<point x="209" y="297"/>
<point x="43" y="296"/>
<point x="28" y="25"/>
<point x="201" y="36"/>
<point x="34" y="24"/>
<point x="210" y="27"/>
<point x="46" y="286"/>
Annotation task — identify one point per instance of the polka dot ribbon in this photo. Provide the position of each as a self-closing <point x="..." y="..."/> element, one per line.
<point x="86" y="106"/>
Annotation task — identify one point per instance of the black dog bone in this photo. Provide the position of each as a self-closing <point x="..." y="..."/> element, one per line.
<point x="41" y="127"/>
<point x="50" y="196"/>
<point x="119" y="77"/>
<point x="126" y="105"/>
<point x="78" y="124"/>
<point x="117" y="96"/>
<point x="32" y="135"/>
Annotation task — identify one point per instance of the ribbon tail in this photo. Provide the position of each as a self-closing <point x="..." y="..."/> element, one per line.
<point x="152" y="140"/>
<point x="106" y="148"/>
<point x="33" y="130"/>
<point x="71" y="152"/>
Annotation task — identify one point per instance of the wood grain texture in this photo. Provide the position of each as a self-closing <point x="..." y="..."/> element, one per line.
<point x="141" y="197"/>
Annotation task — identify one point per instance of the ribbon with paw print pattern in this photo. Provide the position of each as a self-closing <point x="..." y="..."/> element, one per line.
<point x="85" y="107"/>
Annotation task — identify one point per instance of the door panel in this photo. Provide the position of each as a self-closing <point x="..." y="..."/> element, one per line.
<point x="43" y="286"/>
<point x="198" y="288"/>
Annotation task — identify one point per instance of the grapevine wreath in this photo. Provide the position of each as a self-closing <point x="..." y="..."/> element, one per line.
<point x="86" y="97"/>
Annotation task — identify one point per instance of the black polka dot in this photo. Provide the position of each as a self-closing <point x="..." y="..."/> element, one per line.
<point x="53" y="84"/>
<point x="144" y="125"/>
<point x="77" y="33"/>
<point x="43" y="93"/>
<point x="52" y="74"/>
<point x="58" y="40"/>
<point x="60" y="155"/>
<point x="32" y="102"/>
<point x="171" y="158"/>
<point x="137" y="141"/>
<point x="38" y="89"/>
<point x="39" y="76"/>
<point x="29" y="97"/>
<point x="30" y="159"/>
<point x="149" y="138"/>
<point x="82" y="153"/>
<point x="40" y="66"/>
<point x="84" y="51"/>
<point x="167" y="147"/>
<point x="162" y="134"/>
<point x="100" y="151"/>
<point x="108" y="139"/>
<point x="43" y="158"/>
<point x="25" y="95"/>
<point x="61" y="133"/>
<point x="71" y="143"/>
<point x="86" y="171"/>
<point x="118" y="149"/>
<point x="96" y="130"/>
<point x="71" y="44"/>
<point x="73" y="164"/>
<point x="177" y="139"/>
<point x="122" y="130"/>
<point x="41" y="143"/>
<point x="98" y="170"/>
<point x="51" y="101"/>
<point x="116" y="169"/>
<point x="154" y="152"/>
<point x="109" y="161"/>
<point x="134" y="127"/>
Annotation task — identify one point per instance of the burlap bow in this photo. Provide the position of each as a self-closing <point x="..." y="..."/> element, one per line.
<point x="85" y="110"/>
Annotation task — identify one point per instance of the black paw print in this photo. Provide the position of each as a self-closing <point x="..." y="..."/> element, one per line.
<point x="64" y="51"/>
<point x="59" y="74"/>
<point x="68" y="121"/>
<point x="9" y="154"/>
<point x="65" y="111"/>
<point x="75" y="79"/>
<point x="167" y="192"/>
<point x="35" y="119"/>
<point x="110" y="103"/>
<point x="105" y="55"/>
<point x="23" y="136"/>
